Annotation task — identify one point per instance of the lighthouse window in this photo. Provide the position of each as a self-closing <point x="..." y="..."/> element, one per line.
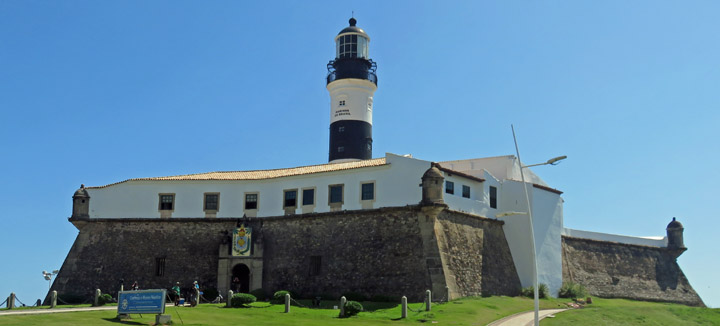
<point x="342" y="103"/>
<point x="341" y="149"/>
<point x="348" y="46"/>
<point x="341" y="129"/>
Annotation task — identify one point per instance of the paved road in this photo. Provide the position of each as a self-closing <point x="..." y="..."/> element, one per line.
<point x="524" y="318"/>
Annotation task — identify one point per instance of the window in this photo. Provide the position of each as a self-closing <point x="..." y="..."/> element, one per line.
<point x="341" y="103"/>
<point x="336" y="194"/>
<point x="251" y="201"/>
<point x="341" y="129"/>
<point x="347" y="46"/>
<point x="160" y="266"/>
<point x="167" y="202"/>
<point x="493" y="197"/>
<point x="315" y="264"/>
<point x="466" y="191"/>
<point x="212" y="202"/>
<point x="367" y="191"/>
<point x="290" y="198"/>
<point x="308" y="197"/>
<point x="449" y="187"/>
<point x="341" y="149"/>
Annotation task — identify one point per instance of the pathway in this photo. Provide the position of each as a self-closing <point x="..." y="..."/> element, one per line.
<point x="524" y="318"/>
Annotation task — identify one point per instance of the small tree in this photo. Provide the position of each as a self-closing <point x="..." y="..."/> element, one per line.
<point x="529" y="291"/>
<point x="279" y="297"/>
<point x="352" y="308"/>
<point x="572" y="290"/>
<point x="242" y="300"/>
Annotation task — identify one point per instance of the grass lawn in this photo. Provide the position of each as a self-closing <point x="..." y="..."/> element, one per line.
<point x="628" y="312"/>
<point x="468" y="311"/>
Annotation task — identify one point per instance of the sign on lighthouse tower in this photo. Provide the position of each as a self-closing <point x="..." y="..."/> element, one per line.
<point x="351" y="81"/>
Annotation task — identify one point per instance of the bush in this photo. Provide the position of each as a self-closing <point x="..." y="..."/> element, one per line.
<point x="105" y="298"/>
<point x="572" y="290"/>
<point x="352" y="308"/>
<point x="529" y="291"/>
<point x="279" y="297"/>
<point x="242" y="299"/>
<point x="260" y="294"/>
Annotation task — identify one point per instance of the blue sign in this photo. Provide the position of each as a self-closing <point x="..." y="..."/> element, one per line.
<point x="141" y="302"/>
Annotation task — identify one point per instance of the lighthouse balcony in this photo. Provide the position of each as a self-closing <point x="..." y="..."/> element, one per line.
<point x="356" y="68"/>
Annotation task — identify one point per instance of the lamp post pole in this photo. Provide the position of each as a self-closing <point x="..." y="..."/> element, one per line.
<point x="552" y="161"/>
<point x="48" y="277"/>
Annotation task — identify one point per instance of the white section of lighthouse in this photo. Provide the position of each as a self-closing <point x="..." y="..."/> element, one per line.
<point x="351" y="81"/>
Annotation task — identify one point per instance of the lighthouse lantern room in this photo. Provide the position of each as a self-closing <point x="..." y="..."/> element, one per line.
<point x="351" y="81"/>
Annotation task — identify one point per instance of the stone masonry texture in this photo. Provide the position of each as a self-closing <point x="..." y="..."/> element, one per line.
<point x="615" y="270"/>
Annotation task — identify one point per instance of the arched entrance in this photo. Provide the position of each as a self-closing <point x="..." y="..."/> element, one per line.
<point x="240" y="282"/>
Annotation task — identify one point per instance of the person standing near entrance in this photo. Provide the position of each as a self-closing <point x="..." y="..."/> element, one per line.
<point x="176" y="293"/>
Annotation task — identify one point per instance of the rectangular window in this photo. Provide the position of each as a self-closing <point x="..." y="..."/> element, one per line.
<point x="315" y="264"/>
<point x="493" y="197"/>
<point x="449" y="187"/>
<point x="308" y="197"/>
<point x="341" y="149"/>
<point x="466" y="191"/>
<point x="342" y="103"/>
<point x="290" y="198"/>
<point x="160" y="266"/>
<point x="368" y="191"/>
<point x="211" y="202"/>
<point x="251" y="201"/>
<point x="341" y="129"/>
<point x="167" y="202"/>
<point x="336" y="194"/>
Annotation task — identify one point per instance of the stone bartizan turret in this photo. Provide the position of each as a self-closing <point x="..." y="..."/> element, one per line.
<point x="81" y="204"/>
<point x="675" y="238"/>
<point x="351" y="81"/>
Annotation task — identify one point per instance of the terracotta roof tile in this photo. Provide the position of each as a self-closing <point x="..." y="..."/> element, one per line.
<point x="264" y="174"/>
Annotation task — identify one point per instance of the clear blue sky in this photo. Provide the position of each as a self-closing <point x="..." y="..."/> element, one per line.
<point x="97" y="92"/>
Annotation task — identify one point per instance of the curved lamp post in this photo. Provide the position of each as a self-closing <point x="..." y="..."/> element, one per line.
<point x="48" y="277"/>
<point x="552" y="161"/>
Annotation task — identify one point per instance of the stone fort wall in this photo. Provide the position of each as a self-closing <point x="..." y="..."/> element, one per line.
<point x="615" y="270"/>
<point x="386" y="251"/>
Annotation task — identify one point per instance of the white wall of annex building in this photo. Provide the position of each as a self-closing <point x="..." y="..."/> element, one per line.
<point x="547" y="223"/>
<point x="396" y="184"/>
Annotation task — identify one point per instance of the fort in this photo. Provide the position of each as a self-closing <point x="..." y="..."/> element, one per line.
<point x="374" y="227"/>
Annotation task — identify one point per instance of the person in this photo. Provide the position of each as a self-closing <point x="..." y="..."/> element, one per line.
<point x="134" y="286"/>
<point x="195" y="295"/>
<point x="176" y="292"/>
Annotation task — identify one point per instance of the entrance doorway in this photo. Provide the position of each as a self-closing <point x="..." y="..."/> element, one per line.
<point x="240" y="279"/>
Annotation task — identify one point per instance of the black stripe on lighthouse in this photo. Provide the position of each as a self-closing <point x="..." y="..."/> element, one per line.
<point x="350" y="139"/>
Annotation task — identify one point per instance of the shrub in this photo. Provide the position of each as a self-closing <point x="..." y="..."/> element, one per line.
<point x="572" y="290"/>
<point x="105" y="298"/>
<point x="352" y="308"/>
<point x="279" y="297"/>
<point x="242" y="299"/>
<point x="260" y="294"/>
<point x="529" y="291"/>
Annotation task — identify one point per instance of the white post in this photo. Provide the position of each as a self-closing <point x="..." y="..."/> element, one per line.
<point x="287" y="302"/>
<point x="229" y="298"/>
<point x="532" y="233"/>
<point x="404" y="306"/>
<point x="342" y="306"/>
<point x="11" y="301"/>
<point x="53" y="299"/>
<point x="428" y="300"/>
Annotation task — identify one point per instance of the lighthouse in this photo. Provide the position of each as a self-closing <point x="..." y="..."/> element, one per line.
<point x="351" y="81"/>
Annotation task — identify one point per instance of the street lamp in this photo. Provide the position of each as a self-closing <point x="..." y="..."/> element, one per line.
<point x="552" y="161"/>
<point x="48" y="277"/>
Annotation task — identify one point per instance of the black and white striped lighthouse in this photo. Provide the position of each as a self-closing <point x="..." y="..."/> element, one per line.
<point x="351" y="81"/>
